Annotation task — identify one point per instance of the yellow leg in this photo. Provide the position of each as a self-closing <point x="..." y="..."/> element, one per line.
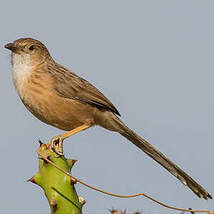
<point x="74" y="131"/>
<point x="56" y="142"/>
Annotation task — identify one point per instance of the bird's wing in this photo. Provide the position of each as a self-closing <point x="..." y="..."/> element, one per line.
<point x="69" y="85"/>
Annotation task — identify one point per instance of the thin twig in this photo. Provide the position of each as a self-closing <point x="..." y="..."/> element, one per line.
<point x="118" y="195"/>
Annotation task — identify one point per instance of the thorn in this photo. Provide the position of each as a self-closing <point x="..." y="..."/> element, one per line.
<point x="137" y="212"/>
<point x="40" y="143"/>
<point x="32" y="180"/>
<point x="43" y="146"/>
<point x="82" y="200"/>
<point x="191" y="212"/>
<point x="73" y="162"/>
<point x="53" y="204"/>
<point x="73" y="181"/>
<point x="113" y="211"/>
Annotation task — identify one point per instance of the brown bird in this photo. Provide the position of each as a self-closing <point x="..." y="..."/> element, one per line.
<point x="62" y="99"/>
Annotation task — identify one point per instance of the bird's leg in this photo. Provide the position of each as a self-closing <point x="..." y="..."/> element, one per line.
<point x="56" y="143"/>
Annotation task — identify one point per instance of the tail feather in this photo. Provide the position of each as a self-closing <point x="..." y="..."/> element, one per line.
<point x="162" y="160"/>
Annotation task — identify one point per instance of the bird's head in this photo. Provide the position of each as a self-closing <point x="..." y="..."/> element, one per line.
<point x="28" y="51"/>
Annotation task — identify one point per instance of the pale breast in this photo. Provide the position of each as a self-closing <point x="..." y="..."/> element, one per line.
<point x="21" y="71"/>
<point x="36" y="90"/>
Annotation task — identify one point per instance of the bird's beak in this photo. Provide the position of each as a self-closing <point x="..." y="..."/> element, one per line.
<point x="11" y="46"/>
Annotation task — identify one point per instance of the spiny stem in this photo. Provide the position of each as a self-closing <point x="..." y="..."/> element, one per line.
<point x="122" y="196"/>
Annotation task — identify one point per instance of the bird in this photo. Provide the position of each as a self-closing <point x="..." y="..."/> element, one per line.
<point x="60" y="98"/>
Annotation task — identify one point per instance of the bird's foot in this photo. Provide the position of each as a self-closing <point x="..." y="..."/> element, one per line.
<point x="56" y="145"/>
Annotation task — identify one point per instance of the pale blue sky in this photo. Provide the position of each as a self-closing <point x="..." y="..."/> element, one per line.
<point x="154" y="60"/>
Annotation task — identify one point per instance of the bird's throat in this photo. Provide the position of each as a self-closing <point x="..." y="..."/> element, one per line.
<point x="22" y="70"/>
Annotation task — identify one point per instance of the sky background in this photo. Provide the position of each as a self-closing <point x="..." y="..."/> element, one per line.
<point x="154" y="60"/>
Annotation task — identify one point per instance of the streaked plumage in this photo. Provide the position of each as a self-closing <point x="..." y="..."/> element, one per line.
<point x="60" y="98"/>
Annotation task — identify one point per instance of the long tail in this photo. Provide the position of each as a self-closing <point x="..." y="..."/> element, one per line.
<point x="161" y="159"/>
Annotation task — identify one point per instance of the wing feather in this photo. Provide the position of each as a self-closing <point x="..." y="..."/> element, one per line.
<point x="69" y="85"/>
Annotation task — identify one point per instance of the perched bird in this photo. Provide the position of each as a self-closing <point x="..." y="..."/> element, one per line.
<point x="62" y="99"/>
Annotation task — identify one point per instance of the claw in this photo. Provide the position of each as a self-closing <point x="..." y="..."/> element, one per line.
<point x="56" y="145"/>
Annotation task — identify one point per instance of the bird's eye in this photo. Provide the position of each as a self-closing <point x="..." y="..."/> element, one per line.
<point x="31" y="47"/>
